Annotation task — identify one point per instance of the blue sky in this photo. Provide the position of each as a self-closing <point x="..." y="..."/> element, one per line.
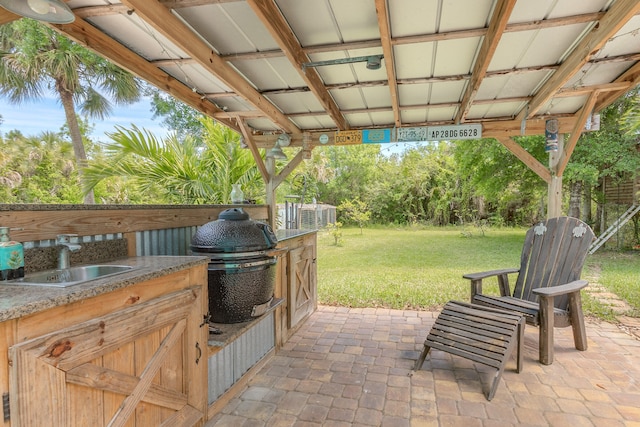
<point x="35" y="117"/>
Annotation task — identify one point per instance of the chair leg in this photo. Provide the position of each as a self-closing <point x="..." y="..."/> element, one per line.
<point x="520" y="345"/>
<point x="546" y="330"/>
<point x="494" y="384"/>
<point x="577" y="321"/>
<point x="423" y="356"/>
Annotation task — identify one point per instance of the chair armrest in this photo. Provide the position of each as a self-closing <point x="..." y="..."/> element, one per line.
<point x="485" y="274"/>
<point x="503" y="280"/>
<point x="565" y="289"/>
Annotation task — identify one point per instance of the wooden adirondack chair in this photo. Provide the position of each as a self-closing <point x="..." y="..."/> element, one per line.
<point x="547" y="289"/>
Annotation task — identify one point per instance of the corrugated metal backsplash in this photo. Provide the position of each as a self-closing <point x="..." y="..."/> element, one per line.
<point x="169" y="241"/>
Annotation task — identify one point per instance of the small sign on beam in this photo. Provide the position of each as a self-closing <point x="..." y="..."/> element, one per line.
<point x="454" y="132"/>
<point x="376" y="136"/>
<point x="411" y="134"/>
<point x="348" y="137"/>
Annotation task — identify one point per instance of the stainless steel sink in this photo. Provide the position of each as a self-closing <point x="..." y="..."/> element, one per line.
<point x="70" y="276"/>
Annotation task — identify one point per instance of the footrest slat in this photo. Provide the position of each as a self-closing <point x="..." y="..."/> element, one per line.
<point x="481" y="334"/>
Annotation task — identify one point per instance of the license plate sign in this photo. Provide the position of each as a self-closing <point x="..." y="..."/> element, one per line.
<point x="453" y="132"/>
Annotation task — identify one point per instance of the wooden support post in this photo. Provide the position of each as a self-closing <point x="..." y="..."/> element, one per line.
<point x="270" y="186"/>
<point x="554" y="208"/>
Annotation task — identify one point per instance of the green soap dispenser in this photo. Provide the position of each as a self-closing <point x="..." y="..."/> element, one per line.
<point x="11" y="257"/>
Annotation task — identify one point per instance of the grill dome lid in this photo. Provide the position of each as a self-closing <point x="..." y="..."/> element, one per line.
<point x="233" y="231"/>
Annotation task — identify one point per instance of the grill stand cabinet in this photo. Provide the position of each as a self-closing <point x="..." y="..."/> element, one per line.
<point x="242" y="349"/>
<point x="296" y="283"/>
<point x="135" y="356"/>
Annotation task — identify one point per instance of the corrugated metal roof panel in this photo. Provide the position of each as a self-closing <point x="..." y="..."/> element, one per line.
<point x="572" y="7"/>
<point x="475" y="14"/>
<point x="411" y="17"/>
<point x="138" y="36"/>
<point x="626" y="41"/>
<point x="230" y="28"/>
<point x="447" y="92"/>
<point x="196" y="77"/>
<point x="435" y="45"/>
<point x="292" y="103"/>
<point x="456" y="56"/>
<point x="414" y="60"/>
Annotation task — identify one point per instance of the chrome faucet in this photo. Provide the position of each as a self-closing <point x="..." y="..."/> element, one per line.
<point x="63" y="242"/>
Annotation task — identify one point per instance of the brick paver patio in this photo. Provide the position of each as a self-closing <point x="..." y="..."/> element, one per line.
<point x="352" y="367"/>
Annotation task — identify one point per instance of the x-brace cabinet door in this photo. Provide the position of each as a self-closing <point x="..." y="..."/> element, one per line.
<point x="128" y="368"/>
<point x="302" y="286"/>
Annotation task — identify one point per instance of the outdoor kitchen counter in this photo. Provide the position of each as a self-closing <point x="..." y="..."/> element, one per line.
<point x="283" y="235"/>
<point x="66" y="352"/>
<point x="22" y="300"/>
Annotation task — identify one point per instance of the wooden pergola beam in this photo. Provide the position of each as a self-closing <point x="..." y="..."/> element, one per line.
<point x="290" y="167"/>
<point x="6" y="16"/>
<point x="89" y="36"/>
<point x="161" y="18"/>
<point x="617" y="16"/>
<point x="630" y="77"/>
<point x="581" y="120"/>
<point x="274" y="22"/>
<point x="387" y="50"/>
<point x="248" y="140"/>
<point x="532" y="163"/>
<point x="497" y="25"/>
<point x="587" y="90"/>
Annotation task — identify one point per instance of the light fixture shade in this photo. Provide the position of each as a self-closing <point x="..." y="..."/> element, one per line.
<point x="277" y="153"/>
<point x="283" y="140"/>
<point x="53" y="11"/>
<point x="374" y="62"/>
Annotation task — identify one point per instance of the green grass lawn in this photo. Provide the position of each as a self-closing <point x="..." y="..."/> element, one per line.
<point x="619" y="272"/>
<point x="422" y="267"/>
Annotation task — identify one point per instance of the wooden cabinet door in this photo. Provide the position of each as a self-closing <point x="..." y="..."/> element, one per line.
<point x="302" y="283"/>
<point x="143" y="365"/>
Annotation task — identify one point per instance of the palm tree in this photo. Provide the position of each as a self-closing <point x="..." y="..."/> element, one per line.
<point x="184" y="171"/>
<point x="35" y="59"/>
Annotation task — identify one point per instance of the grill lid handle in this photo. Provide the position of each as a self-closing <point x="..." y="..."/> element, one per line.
<point x="272" y="240"/>
<point x="234" y="214"/>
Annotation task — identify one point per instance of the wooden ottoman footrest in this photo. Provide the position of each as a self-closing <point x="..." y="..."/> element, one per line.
<point x="481" y="334"/>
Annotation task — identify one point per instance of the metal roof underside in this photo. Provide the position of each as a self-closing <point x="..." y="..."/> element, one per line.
<point x="507" y="64"/>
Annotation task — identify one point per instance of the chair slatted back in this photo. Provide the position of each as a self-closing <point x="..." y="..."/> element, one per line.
<point x="553" y="254"/>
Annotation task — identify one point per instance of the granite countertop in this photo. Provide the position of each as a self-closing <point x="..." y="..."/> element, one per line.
<point x="22" y="300"/>
<point x="290" y="234"/>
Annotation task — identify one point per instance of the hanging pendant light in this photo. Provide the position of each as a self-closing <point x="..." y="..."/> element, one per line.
<point x="53" y="11"/>
<point x="276" y="152"/>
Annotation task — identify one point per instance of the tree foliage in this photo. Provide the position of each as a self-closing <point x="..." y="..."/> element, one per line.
<point x="175" y="114"/>
<point x="509" y="188"/>
<point x="37" y="169"/>
<point x="36" y="60"/>
<point x="610" y="151"/>
<point x="181" y="171"/>
<point x="355" y="211"/>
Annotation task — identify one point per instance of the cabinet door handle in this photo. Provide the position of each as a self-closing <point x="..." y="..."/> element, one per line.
<point x="199" y="356"/>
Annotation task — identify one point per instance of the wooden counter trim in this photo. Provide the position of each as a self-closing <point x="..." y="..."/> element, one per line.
<point x="46" y="223"/>
<point x="64" y="316"/>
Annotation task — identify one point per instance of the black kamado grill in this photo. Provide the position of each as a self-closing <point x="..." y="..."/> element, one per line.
<point x="241" y="266"/>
